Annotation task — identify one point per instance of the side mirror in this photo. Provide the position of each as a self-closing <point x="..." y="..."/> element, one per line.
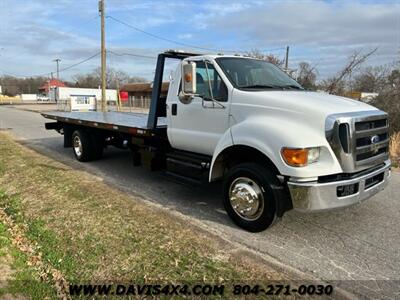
<point x="188" y="82"/>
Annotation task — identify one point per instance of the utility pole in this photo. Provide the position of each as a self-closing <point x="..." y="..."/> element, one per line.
<point x="287" y="59"/>
<point x="57" y="60"/>
<point x="103" y="57"/>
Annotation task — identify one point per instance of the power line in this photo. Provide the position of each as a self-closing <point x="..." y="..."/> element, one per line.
<point x="160" y="37"/>
<point x="49" y="73"/>
<point x="131" y="54"/>
<point x="7" y="74"/>
<point x="61" y="70"/>
<point x="37" y="75"/>
<point x="81" y="62"/>
<point x="63" y="33"/>
<point x="181" y="43"/>
<point x="67" y="68"/>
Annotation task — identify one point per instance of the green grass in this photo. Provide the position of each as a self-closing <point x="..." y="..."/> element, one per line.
<point x="1" y="169"/>
<point x="91" y="232"/>
<point x="27" y="282"/>
<point x="5" y="241"/>
<point x="23" y="280"/>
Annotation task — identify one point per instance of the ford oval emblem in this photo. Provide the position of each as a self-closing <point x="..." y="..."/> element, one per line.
<point x="375" y="139"/>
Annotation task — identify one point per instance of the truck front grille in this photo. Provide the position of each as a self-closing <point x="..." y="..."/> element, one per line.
<point x="359" y="140"/>
<point x="367" y="125"/>
<point x="371" y="140"/>
<point x="344" y="137"/>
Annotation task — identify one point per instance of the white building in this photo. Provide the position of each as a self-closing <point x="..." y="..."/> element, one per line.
<point x="81" y="99"/>
<point x="28" y="97"/>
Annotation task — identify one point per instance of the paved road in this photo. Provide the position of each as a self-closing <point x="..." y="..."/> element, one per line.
<point x="361" y="243"/>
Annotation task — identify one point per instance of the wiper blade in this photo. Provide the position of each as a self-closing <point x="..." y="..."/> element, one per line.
<point x="292" y="86"/>
<point x="261" y="86"/>
<point x="270" y="86"/>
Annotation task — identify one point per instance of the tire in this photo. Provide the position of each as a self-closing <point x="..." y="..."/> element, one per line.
<point x="250" y="181"/>
<point x="85" y="146"/>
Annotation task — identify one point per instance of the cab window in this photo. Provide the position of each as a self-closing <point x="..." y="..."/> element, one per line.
<point x="207" y="76"/>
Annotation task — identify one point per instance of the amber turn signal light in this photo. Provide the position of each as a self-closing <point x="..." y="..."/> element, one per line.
<point x="295" y="157"/>
<point x="188" y="77"/>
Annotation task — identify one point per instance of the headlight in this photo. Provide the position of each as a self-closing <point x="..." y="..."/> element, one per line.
<point x="296" y="157"/>
<point x="313" y="154"/>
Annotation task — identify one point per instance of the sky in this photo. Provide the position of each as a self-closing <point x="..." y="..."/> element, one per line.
<point x="322" y="33"/>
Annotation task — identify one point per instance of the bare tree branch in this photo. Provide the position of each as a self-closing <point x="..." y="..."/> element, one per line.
<point x="355" y="61"/>
<point x="273" y="59"/>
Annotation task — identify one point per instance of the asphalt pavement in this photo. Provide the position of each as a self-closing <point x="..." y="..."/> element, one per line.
<point x="357" y="247"/>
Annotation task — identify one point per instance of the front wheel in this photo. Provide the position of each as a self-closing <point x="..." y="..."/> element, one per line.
<point x="251" y="195"/>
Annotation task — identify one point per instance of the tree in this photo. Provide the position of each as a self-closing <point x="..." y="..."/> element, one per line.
<point x="336" y="84"/>
<point x="87" y="80"/>
<point x="114" y="79"/>
<point x="371" y="79"/>
<point x="388" y="99"/>
<point x="306" y="75"/>
<point x="12" y="86"/>
<point x="268" y="57"/>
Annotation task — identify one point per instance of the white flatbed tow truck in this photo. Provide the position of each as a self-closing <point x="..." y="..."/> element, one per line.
<point x="275" y="145"/>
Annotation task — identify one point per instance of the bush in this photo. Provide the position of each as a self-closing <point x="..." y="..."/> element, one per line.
<point x="390" y="103"/>
<point x="389" y="99"/>
<point x="394" y="149"/>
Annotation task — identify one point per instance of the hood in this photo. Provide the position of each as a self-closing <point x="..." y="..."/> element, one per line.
<point x="300" y="102"/>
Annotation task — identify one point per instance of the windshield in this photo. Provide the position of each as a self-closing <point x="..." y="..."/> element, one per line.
<point x="246" y="73"/>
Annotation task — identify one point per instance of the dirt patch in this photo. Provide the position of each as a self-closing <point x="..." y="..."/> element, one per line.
<point x="12" y="297"/>
<point x="6" y="271"/>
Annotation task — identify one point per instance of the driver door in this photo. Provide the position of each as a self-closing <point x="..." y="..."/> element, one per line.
<point x="198" y="125"/>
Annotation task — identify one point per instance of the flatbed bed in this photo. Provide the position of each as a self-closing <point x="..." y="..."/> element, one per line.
<point x="126" y="122"/>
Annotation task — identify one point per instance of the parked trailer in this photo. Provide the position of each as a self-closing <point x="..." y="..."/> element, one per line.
<point x="274" y="145"/>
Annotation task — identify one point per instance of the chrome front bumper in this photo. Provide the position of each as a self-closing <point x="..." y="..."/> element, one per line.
<point x="315" y="196"/>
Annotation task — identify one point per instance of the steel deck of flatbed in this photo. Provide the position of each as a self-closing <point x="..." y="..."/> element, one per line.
<point x="118" y="121"/>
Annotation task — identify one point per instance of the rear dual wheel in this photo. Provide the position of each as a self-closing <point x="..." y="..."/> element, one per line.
<point x="87" y="146"/>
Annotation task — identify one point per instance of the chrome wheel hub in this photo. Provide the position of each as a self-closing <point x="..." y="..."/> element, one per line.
<point x="77" y="146"/>
<point x="246" y="198"/>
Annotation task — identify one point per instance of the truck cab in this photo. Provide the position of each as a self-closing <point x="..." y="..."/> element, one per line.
<point x="323" y="151"/>
<point x="243" y="121"/>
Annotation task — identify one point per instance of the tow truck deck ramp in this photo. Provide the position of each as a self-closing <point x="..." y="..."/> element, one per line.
<point x="118" y="121"/>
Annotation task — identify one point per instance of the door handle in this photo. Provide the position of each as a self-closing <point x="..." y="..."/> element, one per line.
<point x="174" y="109"/>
